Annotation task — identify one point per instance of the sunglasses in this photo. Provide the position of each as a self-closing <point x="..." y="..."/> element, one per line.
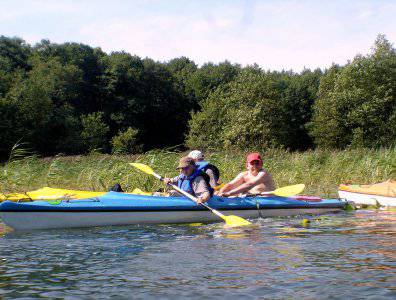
<point x="255" y="162"/>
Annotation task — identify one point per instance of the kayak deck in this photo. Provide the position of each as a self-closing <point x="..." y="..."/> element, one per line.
<point x="114" y="201"/>
<point x="114" y="208"/>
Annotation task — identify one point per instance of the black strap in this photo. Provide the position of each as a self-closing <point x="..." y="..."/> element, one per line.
<point x="215" y="170"/>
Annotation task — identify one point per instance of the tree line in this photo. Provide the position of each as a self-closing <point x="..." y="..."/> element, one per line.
<point x="72" y="98"/>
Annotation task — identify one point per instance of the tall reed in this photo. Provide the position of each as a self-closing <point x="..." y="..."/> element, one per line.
<point x="321" y="170"/>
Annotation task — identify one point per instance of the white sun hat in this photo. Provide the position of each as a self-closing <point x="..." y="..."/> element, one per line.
<point x="196" y="154"/>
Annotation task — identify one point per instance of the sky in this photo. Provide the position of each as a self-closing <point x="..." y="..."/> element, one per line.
<point x="275" y="34"/>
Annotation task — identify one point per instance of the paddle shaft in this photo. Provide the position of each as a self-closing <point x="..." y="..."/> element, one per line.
<point x="189" y="196"/>
<point x="232" y="221"/>
<point x="266" y="193"/>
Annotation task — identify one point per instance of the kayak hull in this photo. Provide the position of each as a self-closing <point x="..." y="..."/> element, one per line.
<point x="123" y="209"/>
<point x="367" y="199"/>
<point x="51" y="220"/>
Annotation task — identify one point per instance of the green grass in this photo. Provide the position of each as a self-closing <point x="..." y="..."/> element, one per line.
<point x="321" y="170"/>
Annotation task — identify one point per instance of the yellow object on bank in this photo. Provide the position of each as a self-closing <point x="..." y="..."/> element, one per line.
<point x="387" y="188"/>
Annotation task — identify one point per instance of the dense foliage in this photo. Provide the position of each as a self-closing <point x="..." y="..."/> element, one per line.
<point x="257" y="110"/>
<point x="357" y="103"/>
<point x="71" y="98"/>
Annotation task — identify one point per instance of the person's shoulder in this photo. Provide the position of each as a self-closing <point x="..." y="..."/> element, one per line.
<point x="243" y="174"/>
<point x="264" y="172"/>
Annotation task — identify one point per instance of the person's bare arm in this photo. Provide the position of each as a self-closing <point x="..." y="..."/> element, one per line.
<point x="238" y="180"/>
<point x="247" y="185"/>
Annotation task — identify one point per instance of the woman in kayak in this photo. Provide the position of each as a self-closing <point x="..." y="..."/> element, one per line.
<point x="192" y="180"/>
<point x="211" y="170"/>
<point x="253" y="181"/>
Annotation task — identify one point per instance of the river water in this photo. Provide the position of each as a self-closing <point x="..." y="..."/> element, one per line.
<point x="350" y="255"/>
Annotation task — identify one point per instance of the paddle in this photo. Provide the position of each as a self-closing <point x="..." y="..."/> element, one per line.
<point x="218" y="187"/>
<point x="286" y="191"/>
<point x="231" y="221"/>
<point x="138" y="191"/>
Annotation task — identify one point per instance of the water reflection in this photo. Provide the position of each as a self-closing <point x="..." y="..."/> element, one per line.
<point x="4" y="229"/>
<point x="347" y="255"/>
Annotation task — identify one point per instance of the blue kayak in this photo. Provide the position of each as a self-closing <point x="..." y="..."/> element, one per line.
<point x="114" y="208"/>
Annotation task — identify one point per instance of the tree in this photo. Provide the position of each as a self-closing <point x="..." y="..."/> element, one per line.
<point x="94" y="133"/>
<point x="123" y="91"/>
<point x="41" y="100"/>
<point x="144" y="94"/>
<point x="90" y="63"/>
<point x="183" y="71"/>
<point x="241" y="114"/>
<point x="210" y="76"/>
<point x="126" y="142"/>
<point x="357" y="104"/>
<point x="298" y="94"/>
<point x="14" y="54"/>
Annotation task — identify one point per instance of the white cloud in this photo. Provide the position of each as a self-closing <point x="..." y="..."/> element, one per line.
<point x="274" y="34"/>
<point x="38" y="8"/>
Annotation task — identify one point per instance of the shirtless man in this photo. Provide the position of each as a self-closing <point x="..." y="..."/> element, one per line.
<point x="253" y="181"/>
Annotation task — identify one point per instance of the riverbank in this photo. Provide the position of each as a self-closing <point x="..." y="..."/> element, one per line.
<point x="321" y="170"/>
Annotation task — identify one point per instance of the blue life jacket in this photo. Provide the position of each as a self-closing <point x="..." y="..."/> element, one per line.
<point x="204" y="165"/>
<point x="185" y="182"/>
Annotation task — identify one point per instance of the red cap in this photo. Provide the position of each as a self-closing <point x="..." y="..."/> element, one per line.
<point x="253" y="156"/>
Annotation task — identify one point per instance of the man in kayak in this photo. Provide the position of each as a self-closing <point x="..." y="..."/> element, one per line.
<point x="192" y="180"/>
<point x="210" y="169"/>
<point x="253" y="181"/>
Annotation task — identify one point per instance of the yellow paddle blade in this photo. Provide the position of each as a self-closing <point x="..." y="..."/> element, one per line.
<point x="138" y="191"/>
<point x="142" y="167"/>
<point x="195" y="224"/>
<point x="216" y="188"/>
<point x="289" y="190"/>
<point x="235" y="221"/>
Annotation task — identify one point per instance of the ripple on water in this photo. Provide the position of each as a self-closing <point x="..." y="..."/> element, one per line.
<point x="348" y="255"/>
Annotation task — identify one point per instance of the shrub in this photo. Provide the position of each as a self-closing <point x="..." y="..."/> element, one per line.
<point x="126" y="142"/>
<point x="94" y="131"/>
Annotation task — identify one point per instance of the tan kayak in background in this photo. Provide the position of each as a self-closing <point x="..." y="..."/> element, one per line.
<point x="383" y="194"/>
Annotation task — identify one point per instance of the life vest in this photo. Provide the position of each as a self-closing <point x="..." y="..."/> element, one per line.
<point x="185" y="182"/>
<point x="204" y="165"/>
